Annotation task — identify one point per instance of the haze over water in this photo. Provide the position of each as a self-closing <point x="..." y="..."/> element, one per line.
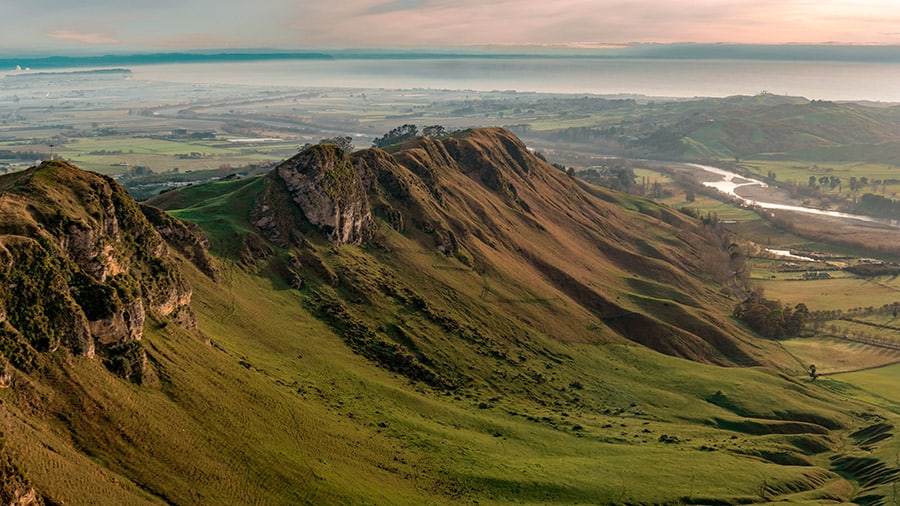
<point x="654" y="78"/>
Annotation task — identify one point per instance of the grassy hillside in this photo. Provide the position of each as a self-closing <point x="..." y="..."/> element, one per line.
<point x="739" y="127"/>
<point x="279" y="411"/>
<point x="504" y="334"/>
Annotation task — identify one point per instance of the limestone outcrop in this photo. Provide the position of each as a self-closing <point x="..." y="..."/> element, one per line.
<point x="326" y="187"/>
<point x="82" y="267"/>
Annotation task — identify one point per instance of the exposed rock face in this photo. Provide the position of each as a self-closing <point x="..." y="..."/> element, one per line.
<point x="5" y="375"/>
<point x="339" y="196"/>
<point x="122" y="326"/>
<point x="91" y="250"/>
<point x="323" y="182"/>
<point x="176" y="304"/>
<point x="81" y="265"/>
<point x="185" y="237"/>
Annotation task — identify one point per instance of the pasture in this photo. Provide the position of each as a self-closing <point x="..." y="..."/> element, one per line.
<point x="880" y="178"/>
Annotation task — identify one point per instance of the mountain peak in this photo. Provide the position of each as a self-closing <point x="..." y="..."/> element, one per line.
<point x="324" y="184"/>
<point x="480" y="198"/>
<point x="84" y="267"/>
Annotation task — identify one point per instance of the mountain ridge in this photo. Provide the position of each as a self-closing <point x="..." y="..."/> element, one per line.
<point x="464" y="222"/>
<point x="486" y="333"/>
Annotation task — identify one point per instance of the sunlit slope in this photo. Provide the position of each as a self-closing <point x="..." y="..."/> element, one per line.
<point x="516" y="291"/>
<point x="581" y="265"/>
<point x="450" y="322"/>
<point x="276" y="409"/>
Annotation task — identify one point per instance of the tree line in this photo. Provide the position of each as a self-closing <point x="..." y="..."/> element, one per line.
<point x="771" y="318"/>
<point x="408" y="132"/>
<point x="396" y="135"/>
<point x="878" y="205"/>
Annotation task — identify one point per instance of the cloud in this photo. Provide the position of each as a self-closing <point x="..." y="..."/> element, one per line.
<point x="94" y="38"/>
<point x="435" y="23"/>
<point x="199" y="40"/>
<point x="395" y="5"/>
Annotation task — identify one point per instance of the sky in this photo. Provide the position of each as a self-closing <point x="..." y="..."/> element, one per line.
<point x="107" y="26"/>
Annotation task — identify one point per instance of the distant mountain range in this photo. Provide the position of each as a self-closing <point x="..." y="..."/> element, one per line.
<point x="837" y="53"/>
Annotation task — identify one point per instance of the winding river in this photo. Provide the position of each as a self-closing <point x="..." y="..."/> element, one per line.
<point x="730" y="182"/>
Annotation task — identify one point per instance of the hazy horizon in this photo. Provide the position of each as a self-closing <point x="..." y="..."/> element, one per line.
<point x="676" y="51"/>
<point x="169" y="25"/>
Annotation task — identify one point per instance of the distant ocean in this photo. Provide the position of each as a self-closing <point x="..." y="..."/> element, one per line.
<point x="654" y="78"/>
<point x="815" y="72"/>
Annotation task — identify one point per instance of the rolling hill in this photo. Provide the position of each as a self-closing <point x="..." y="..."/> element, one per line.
<point x="446" y="321"/>
<point x="764" y="126"/>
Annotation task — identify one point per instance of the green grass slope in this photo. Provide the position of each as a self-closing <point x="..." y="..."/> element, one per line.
<point x="275" y="409"/>
<point x="505" y="335"/>
<point x="743" y="127"/>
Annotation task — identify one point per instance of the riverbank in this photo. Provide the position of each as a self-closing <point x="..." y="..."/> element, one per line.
<point x="756" y="193"/>
<point x="864" y="235"/>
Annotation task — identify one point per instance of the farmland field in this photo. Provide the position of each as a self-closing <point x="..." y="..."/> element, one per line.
<point x="829" y="294"/>
<point x="854" y="325"/>
<point x="831" y="355"/>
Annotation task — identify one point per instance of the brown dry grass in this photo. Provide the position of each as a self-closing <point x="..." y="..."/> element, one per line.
<point x="834" y="355"/>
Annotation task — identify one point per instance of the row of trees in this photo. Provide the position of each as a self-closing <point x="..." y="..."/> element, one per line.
<point x="892" y="309"/>
<point x="28" y="156"/>
<point x="615" y="176"/>
<point x="771" y="318"/>
<point x="408" y="132"/>
<point x="397" y="135"/>
<point x="344" y="142"/>
<point x="877" y="205"/>
<point x="831" y="182"/>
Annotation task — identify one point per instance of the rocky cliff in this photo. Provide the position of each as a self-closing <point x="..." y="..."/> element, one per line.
<point x="324" y="184"/>
<point x="81" y="268"/>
